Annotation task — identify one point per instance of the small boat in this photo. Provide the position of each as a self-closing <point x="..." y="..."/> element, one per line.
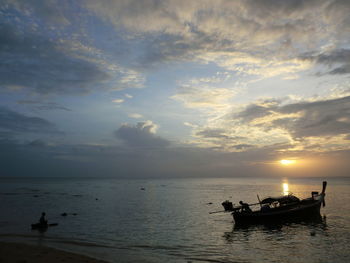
<point x="287" y="208"/>
<point x="40" y="226"/>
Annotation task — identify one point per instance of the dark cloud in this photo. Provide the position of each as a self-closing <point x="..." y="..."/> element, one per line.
<point x="31" y="61"/>
<point x="170" y="48"/>
<point x="107" y="161"/>
<point x="345" y="69"/>
<point x="50" y="10"/>
<point x="39" y="105"/>
<point x="338" y="60"/>
<point x="142" y="135"/>
<point x="85" y="160"/>
<point x="18" y="159"/>
<point x="338" y="11"/>
<point x="14" y="122"/>
<point x="320" y="118"/>
<point x="269" y="9"/>
<point x="242" y="146"/>
<point x="223" y="138"/>
<point x="255" y="111"/>
<point x="212" y="133"/>
<point x="37" y="143"/>
<point x="335" y="56"/>
<point x="6" y="135"/>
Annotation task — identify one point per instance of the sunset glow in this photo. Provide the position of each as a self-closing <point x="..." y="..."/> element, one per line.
<point x="187" y="129"/>
<point x="287" y="162"/>
<point x="172" y="88"/>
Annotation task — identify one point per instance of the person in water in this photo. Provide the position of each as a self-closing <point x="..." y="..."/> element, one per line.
<point x="245" y="207"/>
<point x="42" y="219"/>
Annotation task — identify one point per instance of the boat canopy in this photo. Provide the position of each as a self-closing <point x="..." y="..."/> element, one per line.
<point x="282" y="199"/>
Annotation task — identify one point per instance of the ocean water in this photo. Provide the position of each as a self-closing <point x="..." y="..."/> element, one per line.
<point x="168" y="220"/>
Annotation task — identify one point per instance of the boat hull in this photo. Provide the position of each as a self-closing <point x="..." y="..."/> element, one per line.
<point x="43" y="226"/>
<point x="306" y="209"/>
<point x="40" y="226"/>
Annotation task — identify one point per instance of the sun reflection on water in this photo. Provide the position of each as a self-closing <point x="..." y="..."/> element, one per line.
<point x="285" y="188"/>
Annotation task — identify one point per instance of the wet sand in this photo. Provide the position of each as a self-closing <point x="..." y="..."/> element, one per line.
<point x="23" y="253"/>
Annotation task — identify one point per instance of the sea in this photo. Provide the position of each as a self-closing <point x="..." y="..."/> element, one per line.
<point x="171" y="220"/>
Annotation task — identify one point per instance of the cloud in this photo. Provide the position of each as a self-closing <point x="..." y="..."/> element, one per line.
<point x="203" y="97"/>
<point x="242" y="146"/>
<point x="18" y="159"/>
<point x="255" y="111"/>
<point x="118" y="101"/>
<point x="38" y="143"/>
<point x="252" y="37"/>
<point x="206" y="93"/>
<point x="212" y="133"/>
<point x="30" y="61"/>
<point x="135" y="115"/>
<point x="320" y="118"/>
<point x="336" y="14"/>
<point x="14" y="122"/>
<point x="39" y="159"/>
<point x="142" y="135"/>
<point x="39" y="105"/>
<point x="269" y="34"/>
<point x="181" y="17"/>
<point x="260" y="38"/>
<point x="337" y="59"/>
<point x="322" y="125"/>
<point x="50" y="11"/>
<point x="220" y="139"/>
<point x="303" y="119"/>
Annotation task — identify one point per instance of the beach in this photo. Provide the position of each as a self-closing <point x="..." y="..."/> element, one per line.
<point x="23" y="253"/>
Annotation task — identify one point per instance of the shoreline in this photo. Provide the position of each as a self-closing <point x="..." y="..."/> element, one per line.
<point x="24" y="253"/>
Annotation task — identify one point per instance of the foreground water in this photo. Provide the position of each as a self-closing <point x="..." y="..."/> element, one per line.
<point x="169" y="220"/>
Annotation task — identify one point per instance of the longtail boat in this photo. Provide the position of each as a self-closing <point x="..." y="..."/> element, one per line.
<point x="278" y="209"/>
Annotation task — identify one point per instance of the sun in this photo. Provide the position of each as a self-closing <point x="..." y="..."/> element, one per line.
<point x="287" y="162"/>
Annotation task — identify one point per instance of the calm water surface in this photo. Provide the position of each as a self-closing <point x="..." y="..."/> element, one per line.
<point x="169" y="220"/>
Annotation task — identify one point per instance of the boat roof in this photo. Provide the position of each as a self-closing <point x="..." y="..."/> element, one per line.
<point x="280" y="199"/>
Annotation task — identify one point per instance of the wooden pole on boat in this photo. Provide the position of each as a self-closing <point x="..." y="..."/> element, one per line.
<point x="258" y="199"/>
<point x="324" y="185"/>
<point x="254" y="204"/>
<point x="218" y="212"/>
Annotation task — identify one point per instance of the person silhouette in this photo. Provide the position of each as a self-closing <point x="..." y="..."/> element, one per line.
<point x="245" y="207"/>
<point x="42" y="219"/>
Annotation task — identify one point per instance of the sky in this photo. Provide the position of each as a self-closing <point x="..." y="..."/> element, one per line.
<point x="174" y="88"/>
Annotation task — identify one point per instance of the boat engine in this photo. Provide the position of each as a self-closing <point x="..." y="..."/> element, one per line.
<point x="228" y="206"/>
